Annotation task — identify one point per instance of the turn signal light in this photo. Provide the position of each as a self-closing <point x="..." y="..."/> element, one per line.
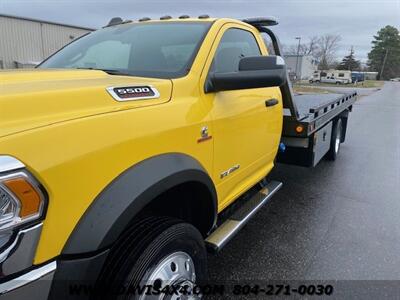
<point x="299" y="129"/>
<point x="28" y="197"/>
<point x="21" y="200"/>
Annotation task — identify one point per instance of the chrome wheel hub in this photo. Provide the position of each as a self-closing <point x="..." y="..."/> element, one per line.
<point x="176" y="273"/>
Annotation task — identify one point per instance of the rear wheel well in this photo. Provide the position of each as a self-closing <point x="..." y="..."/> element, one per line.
<point x="191" y="202"/>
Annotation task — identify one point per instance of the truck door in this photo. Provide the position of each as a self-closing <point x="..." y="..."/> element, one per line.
<point x="246" y="130"/>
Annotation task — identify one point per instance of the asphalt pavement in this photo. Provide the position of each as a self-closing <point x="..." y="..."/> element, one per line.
<point x="337" y="221"/>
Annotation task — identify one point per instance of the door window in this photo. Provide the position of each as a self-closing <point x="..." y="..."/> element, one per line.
<point x="234" y="45"/>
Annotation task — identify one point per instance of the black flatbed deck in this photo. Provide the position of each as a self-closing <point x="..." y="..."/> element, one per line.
<point x="316" y="110"/>
<point x="305" y="102"/>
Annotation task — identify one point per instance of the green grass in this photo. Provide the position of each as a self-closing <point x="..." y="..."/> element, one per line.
<point x="304" y="89"/>
<point x="370" y="84"/>
<point x="363" y="84"/>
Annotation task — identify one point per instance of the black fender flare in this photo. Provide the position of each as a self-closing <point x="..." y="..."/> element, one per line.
<point x="113" y="209"/>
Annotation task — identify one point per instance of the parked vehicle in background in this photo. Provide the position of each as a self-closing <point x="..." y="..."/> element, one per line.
<point x="333" y="80"/>
<point x="395" y="79"/>
<point x="316" y="77"/>
<point x="331" y="76"/>
<point x="336" y="76"/>
<point x="343" y="75"/>
<point x="357" y="76"/>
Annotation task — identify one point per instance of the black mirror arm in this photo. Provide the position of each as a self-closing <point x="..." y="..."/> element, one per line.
<point x="286" y="90"/>
<point x="208" y="85"/>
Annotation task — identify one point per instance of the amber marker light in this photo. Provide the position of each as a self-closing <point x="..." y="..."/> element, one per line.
<point x="299" y="129"/>
<point x="29" y="198"/>
<point x="22" y="198"/>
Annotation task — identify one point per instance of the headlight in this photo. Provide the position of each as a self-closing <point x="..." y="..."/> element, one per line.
<point x="8" y="207"/>
<point x="23" y="203"/>
<point x="21" y="198"/>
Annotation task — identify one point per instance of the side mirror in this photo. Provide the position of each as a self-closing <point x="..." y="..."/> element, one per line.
<point x="254" y="72"/>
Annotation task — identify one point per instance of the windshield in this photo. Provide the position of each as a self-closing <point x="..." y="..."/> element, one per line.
<point x="161" y="50"/>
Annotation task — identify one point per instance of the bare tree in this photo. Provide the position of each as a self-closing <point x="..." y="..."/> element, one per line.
<point x="321" y="48"/>
<point x="308" y="48"/>
<point x="328" y="45"/>
<point x="270" y="47"/>
<point x="312" y="46"/>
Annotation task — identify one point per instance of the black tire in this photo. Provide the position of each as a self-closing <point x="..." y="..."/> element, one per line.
<point x="336" y="134"/>
<point x="144" y="246"/>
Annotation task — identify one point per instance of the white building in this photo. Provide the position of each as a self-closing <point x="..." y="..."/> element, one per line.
<point x="306" y="65"/>
<point x="26" y="42"/>
<point x="370" y="75"/>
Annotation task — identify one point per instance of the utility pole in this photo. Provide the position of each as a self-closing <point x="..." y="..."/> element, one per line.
<point x="297" y="57"/>
<point x="351" y="54"/>
<point x="383" y="65"/>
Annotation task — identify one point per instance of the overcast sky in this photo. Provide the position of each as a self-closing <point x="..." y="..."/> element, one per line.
<point x="355" y="20"/>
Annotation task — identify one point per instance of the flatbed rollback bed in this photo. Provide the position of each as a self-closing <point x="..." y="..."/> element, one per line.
<point x="307" y="139"/>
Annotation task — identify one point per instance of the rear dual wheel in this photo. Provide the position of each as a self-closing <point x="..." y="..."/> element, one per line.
<point x="159" y="252"/>
<point x="336" y="139"/>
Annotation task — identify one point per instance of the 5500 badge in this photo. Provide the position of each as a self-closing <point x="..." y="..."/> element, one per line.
<point x="133" y="93"/>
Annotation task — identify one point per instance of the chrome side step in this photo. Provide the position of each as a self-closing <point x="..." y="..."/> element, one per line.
<point x="223" y="234"/>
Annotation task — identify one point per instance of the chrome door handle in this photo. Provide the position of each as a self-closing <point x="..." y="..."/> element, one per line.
<point x="271" y="102"/>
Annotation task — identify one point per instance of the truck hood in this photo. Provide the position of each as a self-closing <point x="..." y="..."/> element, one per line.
<point x="34" y="98"/>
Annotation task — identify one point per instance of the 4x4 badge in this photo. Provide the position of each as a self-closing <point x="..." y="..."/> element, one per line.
<point x="204" y="135"/>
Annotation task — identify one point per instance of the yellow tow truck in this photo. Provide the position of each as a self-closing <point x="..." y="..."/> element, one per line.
<point x="128" y="153"/>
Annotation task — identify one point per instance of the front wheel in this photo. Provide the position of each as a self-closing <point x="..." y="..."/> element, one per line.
<point x="157" y="254"/>
<point x="335" y="140"/>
